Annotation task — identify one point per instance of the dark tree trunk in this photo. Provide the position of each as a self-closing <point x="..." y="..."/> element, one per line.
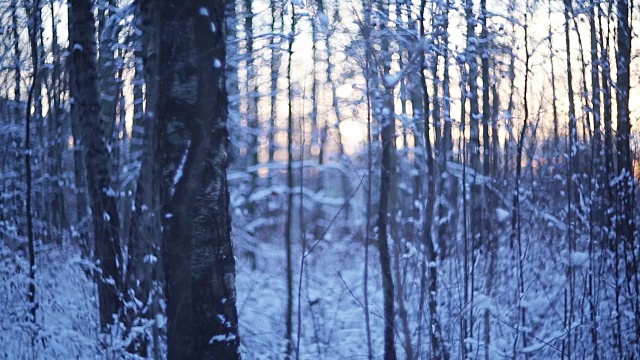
<point x="34" y="23"/>
<point x="626" y="182"/>
<point x="383" y="111"/>
<point x="573" y="139"/>
<point x="143" y="250"/>
<point x="193" y="143"/>
<point x="95" y="134"/>
<point x="626" y="220"/>
<point x="57" y="132"/>
<point x="289" y="221"/>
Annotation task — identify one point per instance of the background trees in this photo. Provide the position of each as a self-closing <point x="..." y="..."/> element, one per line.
<point x="459" y="175"/>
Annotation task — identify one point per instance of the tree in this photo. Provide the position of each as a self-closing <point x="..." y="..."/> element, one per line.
<point x="625" y="181"/>
<point x="96" y="132"/>
<point x="144" y="244"/>
<point x="383" y="112"/>
<point x="289" y="221"/>
<point x="34" y="21"/>
<point x="193" y="143"/>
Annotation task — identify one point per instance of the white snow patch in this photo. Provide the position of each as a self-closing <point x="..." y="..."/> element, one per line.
<point x="323" y="19"/>
<point x="579" y="259"/>
<point x="217" y="64"/>
<point x="150" y="259"/>
<point x="161" y="320"/>
<point x="178" y="175"/>
<point x="502" y="214"/>
<point x="391" y="80"/>
<point x="482" y="302"/>
<point x="222" y="338"/>
<point x="203" y="11"/>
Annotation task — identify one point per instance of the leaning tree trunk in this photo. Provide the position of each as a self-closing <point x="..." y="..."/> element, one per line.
<point x="95" y="132"/>
<point x="193" y="143"/>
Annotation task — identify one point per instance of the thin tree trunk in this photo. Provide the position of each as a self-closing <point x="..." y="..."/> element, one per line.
<point x="471" y="53"/>
<point x="516" y="230"/>
<point x="609" y="161"/>
<point x="385" y="113"/>
<point x="429" y="262"/>
<point x="395" y="206"/>
<point x="488" y="207"/>
<point x="33" y="25"/>
<point x="289" y="221"/>
<point x="486" y="88"/>
<point x="447" y="186"/>
<point x="573" y="137"/>
<point x="369" y="71"/>
<point x="275" y="49"/>
<point x="597" y="180"/>
<point x="252" y="97"/>
<point x="556" y="138"/>
<point x="60" y="220"/>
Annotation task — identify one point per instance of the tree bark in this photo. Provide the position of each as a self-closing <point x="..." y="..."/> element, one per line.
<point x="33" y="25"/>
<point x="626" y="182"/>
<point x="193" y="143"/>
<point x="383" y="111"/>
<point x="95" y="134"/>
<point x="144" y="245"/>
<point x="289" y="221"/>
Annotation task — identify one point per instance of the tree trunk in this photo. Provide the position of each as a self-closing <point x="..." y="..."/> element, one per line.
<point x="33" y="25"/>
<point x="193" y="143"/>
<point x="572" y="152"/>
<point x="554" y="100"/>
<point x="626" y="182"/>
<point x="95" y="133"/>
<point x="289" y="221"/>
<point x="516" y="223"/>
<point x="383" y="110"/>
<point x="143" y="251"/>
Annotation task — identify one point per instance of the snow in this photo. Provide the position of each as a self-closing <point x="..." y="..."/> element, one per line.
<point x="222" y="338"/>
<point x="391" y="80"/>
<point x="203" y="11"/>
<point x="580" y="259"/>
<point x="178" y="174"/>
<point x="150" y="259"/>
<point x="502" y="214"/>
